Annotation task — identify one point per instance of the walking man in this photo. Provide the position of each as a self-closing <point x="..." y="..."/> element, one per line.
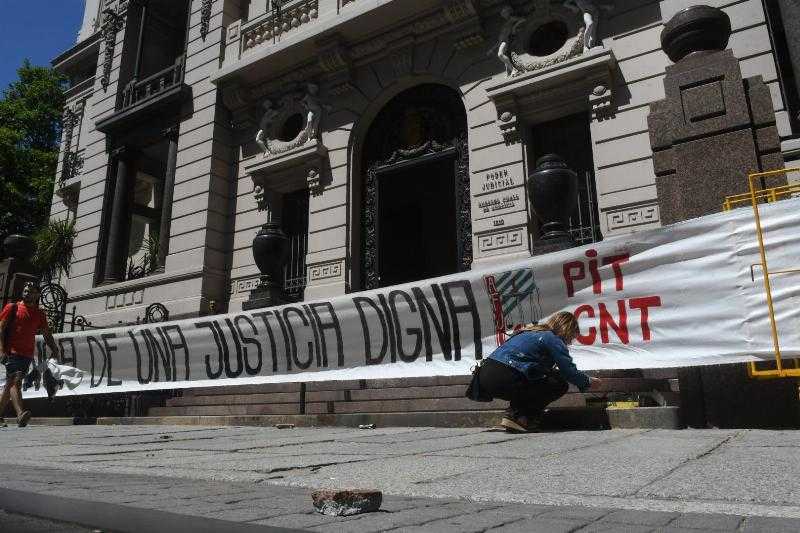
<point x="19" y="324"/>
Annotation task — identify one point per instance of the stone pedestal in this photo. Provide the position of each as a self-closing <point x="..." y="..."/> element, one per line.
<point x="711" y="131"/>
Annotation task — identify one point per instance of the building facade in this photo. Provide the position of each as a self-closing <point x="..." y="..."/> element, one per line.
<point x="391" y="140"/>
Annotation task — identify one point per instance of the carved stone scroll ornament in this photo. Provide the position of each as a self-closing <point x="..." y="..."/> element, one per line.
<point x="507" y="31"/>
<point x="562" y="34"/>
<point x="308" y="106"/>
<point x="205" y="18"/>
<point x="591" y="17"/>
<point x="112" y="24"/>
<point x="314" y="181"/>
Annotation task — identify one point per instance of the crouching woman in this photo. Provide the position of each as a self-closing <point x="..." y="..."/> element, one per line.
<point x="533" y="369"/>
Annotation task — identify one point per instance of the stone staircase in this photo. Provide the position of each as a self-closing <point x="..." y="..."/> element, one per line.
<point x="428" y="401"/>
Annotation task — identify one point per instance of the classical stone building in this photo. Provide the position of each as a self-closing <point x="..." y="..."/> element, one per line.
<point x="365" y="129"/>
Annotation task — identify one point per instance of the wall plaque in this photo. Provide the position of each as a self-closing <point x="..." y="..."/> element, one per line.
<point x="499" y="203"/>
<point x="497" y="180"/>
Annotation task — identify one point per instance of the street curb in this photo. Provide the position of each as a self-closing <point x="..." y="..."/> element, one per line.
<point x="120" y="518"/>
<point x="556" y="419"/>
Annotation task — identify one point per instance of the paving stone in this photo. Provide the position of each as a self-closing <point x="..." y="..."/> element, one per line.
<point x="298" y="521"/>
<point x="707" y="522"/>
<point x="770" y="525"/>
<point x="471" y="523"/>
<point x="16" y="523"/>
<point x="641" y="518"/>
<point x="671" y="529"/>
<point x="575" y="513"/>
<point x="603" y="527"/>
<point x="537" y="525"/>
<point x="385" y="521"/>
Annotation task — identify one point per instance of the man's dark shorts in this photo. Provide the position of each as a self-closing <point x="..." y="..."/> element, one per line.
<point x="18" y="364"/>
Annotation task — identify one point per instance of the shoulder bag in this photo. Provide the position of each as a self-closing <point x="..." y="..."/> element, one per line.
<point x="474" y="391"/>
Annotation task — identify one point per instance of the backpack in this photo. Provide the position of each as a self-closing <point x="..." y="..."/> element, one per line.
<point x="7" y="332"/>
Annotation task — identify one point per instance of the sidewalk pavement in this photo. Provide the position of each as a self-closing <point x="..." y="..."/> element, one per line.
<point x="434" y="479"/>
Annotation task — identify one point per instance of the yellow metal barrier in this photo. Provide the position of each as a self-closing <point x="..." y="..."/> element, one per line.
<point x="756" y="197"/>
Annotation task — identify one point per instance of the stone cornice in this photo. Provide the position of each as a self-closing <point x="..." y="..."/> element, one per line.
<point x="143" y="283"/>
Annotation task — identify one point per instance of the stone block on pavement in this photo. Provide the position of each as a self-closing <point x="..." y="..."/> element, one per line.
<point x="346" y="502"/>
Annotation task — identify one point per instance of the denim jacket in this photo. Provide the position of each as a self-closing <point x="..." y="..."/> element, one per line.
<point x="534" y="353"/>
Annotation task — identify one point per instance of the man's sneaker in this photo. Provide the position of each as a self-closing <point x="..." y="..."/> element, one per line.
<point x="3" y="423"/>
<point x="22" y="420"/>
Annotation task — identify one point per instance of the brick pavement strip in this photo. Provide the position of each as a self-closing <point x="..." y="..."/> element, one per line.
<point x="18" y="523"/>
<point x="229" y="474"/>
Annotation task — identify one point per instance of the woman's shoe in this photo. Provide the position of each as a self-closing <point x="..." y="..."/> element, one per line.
<point x="520" y="424"/>
<point x="22" y="420"/>
<point x="515" y="424"/>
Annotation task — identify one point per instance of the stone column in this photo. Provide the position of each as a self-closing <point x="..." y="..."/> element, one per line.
<point x="711" y="131"/>
<point x="120" y="219"/>
<point x="166" y="201"/>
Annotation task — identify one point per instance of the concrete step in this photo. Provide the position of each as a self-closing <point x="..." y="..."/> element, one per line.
<point x="436" y="400"/>
<point x="555" y="419"/>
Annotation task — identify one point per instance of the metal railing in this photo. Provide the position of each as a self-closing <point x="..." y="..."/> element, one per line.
<point x="583" y="224"/>
<point x="53" y="302"/>
<point x="295" y="224"/>
<point x="138" y="91"/>
<point x="756" y="197"/>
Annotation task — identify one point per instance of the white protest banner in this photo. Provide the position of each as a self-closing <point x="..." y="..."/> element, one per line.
<point x="675" y="296"/>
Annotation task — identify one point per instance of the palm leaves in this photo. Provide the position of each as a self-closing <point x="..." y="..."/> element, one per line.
<point x="54" y="248"/>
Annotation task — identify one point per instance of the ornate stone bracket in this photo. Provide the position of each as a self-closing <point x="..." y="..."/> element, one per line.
<point x="112" y="24"/>
<point x="205" y="18"/>
<point x="299" y="168"/>
<point x="73" y="162"/>
<point x="585" y="82"/>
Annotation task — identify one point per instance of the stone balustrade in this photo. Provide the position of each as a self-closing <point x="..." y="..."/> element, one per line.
<point x="138" y="91"/>
<point x="268" y="28"/>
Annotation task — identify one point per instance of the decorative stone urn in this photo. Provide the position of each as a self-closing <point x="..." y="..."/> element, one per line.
<point x="695" y="29"/>
<point x="552" y="190"/>
<point x="15" y="268"/>
<point x="270" y="251"/>
<point x="19" y="247"/>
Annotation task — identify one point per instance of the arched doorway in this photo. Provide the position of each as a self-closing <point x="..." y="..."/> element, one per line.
<point x="416" y="221"/>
